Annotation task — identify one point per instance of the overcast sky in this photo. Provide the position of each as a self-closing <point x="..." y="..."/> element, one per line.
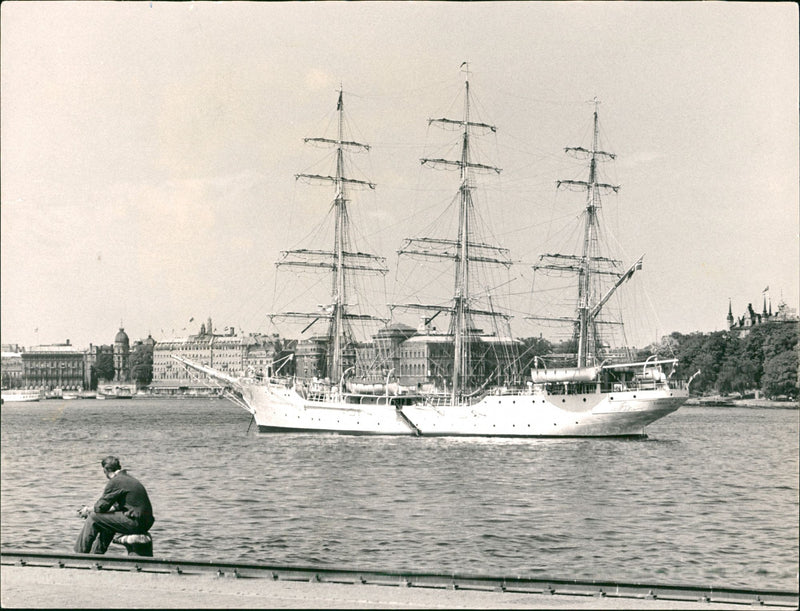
<point x="149" y="149"/>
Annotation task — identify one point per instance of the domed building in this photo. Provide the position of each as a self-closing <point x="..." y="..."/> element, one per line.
<point x="122" y="355"/>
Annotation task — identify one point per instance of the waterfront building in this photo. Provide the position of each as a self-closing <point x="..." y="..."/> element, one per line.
<point x="382" y="357"/>
<point x="49" y="367"/>
<point x="423" y="359"/>
<point x="90" y="366"/>
<point x="229" y="352"/>
<point x="122" y="353"/>
<point x="426" y="360"/>
<point x="310" y="358"/>
<point x="12" y="371"/>
<point x="743" y="324"/>
<point x="264" y="350"/>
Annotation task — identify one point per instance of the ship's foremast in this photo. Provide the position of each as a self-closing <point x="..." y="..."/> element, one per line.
<point x="340" y="260"/>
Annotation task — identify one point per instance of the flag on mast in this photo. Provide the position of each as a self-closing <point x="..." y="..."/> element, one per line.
<point x="765" y="290"/>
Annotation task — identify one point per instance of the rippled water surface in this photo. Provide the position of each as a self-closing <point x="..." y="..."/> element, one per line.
<point x="711" y="498"/>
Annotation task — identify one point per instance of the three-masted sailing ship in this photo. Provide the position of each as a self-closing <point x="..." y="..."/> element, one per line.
<point x="588" y="398"/>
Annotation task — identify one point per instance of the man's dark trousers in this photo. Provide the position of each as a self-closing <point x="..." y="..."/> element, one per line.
<point x="100" y="528"/>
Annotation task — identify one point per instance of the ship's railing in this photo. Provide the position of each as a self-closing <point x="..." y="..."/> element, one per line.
<point x="679" y="383"/>
<point x="282" y="382"/>
<point x="563" y="388"/>
<point x="332" y="394"/>
<point x="438" y="400"/>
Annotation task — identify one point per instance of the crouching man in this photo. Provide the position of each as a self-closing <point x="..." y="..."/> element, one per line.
<point x="124" y="508"/>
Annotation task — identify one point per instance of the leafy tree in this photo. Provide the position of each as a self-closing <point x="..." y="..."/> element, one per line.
<point x="104" y="366"/>
<point x="569" y="346"/>
<point x="752" y="350"/>
<point x="531" y="348"/>
<point x="141" y="362"/>
<point x="731" y="363"/>
<point x="690" y="351"/>
<point x="780" y="338"/>
<point x="737" y="374"/>
<point x="780" y="375"/>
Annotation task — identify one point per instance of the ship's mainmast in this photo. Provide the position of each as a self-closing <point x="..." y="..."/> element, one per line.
<point x="340" y="260"/>
<point x="463" y="250"/>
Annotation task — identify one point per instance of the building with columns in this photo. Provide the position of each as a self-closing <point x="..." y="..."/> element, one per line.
<point x="54" y="366"/>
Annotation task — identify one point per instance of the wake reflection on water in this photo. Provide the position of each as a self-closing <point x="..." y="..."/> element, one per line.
<point x="710" y="497"/>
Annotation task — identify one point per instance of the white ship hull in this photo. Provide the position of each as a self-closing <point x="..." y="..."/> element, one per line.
<point x="282" y="409"/>
<point x="620" y="414"/>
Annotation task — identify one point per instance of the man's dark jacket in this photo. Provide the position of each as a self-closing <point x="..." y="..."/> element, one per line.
<point x="125" y="493"/>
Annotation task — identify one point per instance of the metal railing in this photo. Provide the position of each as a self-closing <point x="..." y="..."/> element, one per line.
<point x="569" y="587"/>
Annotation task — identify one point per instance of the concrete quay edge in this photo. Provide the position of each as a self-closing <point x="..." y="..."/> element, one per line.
<point x="73" y="588"/>
<point x="46" y="580"/>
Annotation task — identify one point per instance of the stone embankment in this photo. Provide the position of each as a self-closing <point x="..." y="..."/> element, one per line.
<point x="45" y="587"/>
<point x="719" y="401"/>
<point x="49" y="580"/>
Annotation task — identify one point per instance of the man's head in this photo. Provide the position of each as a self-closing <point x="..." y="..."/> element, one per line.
<point x="110" y="465"/>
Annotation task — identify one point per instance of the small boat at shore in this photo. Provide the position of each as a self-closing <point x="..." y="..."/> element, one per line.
<point x="21" y="396"/>
<point x="115" y="391"/>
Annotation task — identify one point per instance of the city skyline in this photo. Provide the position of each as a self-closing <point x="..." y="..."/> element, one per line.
<point x="149" y="149"/>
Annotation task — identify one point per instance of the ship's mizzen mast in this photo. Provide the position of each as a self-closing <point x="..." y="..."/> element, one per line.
<point x="589" y="264"/>
<point x="341" y="259"/>
<point x="463" y="250"/>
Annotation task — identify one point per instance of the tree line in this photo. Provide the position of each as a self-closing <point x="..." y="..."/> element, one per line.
<point x="766" y="358"/>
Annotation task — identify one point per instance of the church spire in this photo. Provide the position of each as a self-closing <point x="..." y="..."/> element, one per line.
<point x="730" y="314"/>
